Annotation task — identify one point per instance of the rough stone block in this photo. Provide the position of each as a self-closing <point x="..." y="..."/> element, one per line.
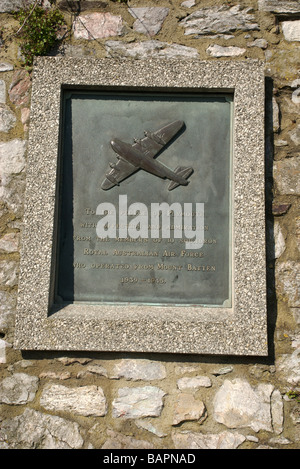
<point x="35" y="430"/>
<point x="18" y="389"/>
<point x="12" y="156"/>
<point x="8" y="6"/>
<point x="97" y="26"/>
<point x="149" y="20"/>
<point x="3" y="345"/>
<point x="194" y="383"/>
<point x="7" y="118"/>
<point x="119" y="441"/>
<point x="280" y="7"/>
<point x="19" y="90"/>
<point x="147" y="49"/>
<point x="8" y="273"/>
<point x="288" y="281"/>
<point x="85" y="400"/>
<point x="187" y="408"/>
<point x="223" y="440"/>
<point x="238" y="405"/>
<point x="6" y="67"/>
<point x="220" y="51"/>
<point x="7" y="309"/>
<point x="219" y="19"/>
<point x="291" y="30"/>
<point x="289" y="366"/>
<point x="138" y="402"/>
<point x="286" y="175"/>
<point x="10" y="242"/>
<point x="139" y="370"/>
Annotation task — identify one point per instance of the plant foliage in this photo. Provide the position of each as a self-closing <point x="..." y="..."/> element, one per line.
<point x="39" y="31"/>
<point x="294" y="395"/>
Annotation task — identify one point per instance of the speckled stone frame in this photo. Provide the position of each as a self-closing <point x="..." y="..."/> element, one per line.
<point x="240" y="330"/>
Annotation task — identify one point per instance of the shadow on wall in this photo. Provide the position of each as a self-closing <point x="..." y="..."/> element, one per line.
<point x="270" y="238"/>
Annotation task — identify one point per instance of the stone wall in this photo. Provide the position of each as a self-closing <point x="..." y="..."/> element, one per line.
<point x="54" y="400"/>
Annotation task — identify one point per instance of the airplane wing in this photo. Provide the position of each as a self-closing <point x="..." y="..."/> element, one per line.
<point x="120" y="171"/>
<point x="150" y="146"/>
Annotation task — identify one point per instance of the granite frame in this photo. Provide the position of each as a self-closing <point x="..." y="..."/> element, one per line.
<point x="240" y="330"/>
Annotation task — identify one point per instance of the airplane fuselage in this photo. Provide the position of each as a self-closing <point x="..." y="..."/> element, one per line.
<point x="138" y="159"/>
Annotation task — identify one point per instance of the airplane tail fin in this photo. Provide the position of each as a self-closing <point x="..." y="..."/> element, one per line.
<point x="183" y="172"/>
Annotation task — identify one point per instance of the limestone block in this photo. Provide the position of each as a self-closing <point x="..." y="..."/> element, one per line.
<point x="8" y="6"/>
<point x="35" y="430"/>
<point x="2" y="92"/>
<point x="277" y="411"/>
<point x="219" y="19"/>
<point x="262" y="43"/>
<point x="7" y="309"/>
<point x="279" y="240"/>
<point x="25" y="115"/>
<point x="12" y="192"/>
<point x="220" y="51"/>
<point x="6" y="67"/>
<point x="18" y="389"/>
<point x="119" y="441"/>
<point x="282" y="6"/>
<point x="224" y="440"/>
<point x="295" y="135"/>
<point x="291" y="30"/>
<point x="52" y="375"/>
<point x="276" y="114"/>
<point x="188" y="3"/>
<point x="7" y="119"/>
<point x="289" y="366"/>
<point x="8" y="273"/>
<point x="85" y="400"/>
<point x="194" y="383"/>
<point x="238" y="405"/>
<point x="12" y="163"/>
<point x="19" y="90"/>
<point x="139" y="370"/>
<point x="10" y="242"/>
<point x="286" y="176"/>
<point x="289" y="63"/>
<point x="287" y="276"/>
<point x="97" y="26"/>
<point x="3" y="346"/>
<point x="296" y="93"/>
<point x="138" y="402"/>
<point x="146" y="49"/>
<point x="12" y="157"/>
<point x="146" y="425"/>
<point x="187" y="408"/>
<point x="149" y="20"/>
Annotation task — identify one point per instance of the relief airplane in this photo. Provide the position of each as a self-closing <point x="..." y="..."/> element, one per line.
<point x="141" y="155"/>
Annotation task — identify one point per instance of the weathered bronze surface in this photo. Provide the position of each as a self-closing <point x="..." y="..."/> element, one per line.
<point x="143" y="269"/>
<point x="141" y="155"/>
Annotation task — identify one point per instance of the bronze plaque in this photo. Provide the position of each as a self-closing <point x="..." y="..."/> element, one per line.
<point x="145" y="199"/>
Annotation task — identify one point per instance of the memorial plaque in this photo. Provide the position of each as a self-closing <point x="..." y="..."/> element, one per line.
<point x="138" y="262"/>
<point x="144" y="217"/>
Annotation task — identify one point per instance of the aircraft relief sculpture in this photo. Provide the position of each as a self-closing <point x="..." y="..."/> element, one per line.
<point x="141" y="154"/>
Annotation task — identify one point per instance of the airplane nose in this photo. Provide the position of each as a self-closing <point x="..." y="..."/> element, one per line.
<point x="116" y="145"/>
